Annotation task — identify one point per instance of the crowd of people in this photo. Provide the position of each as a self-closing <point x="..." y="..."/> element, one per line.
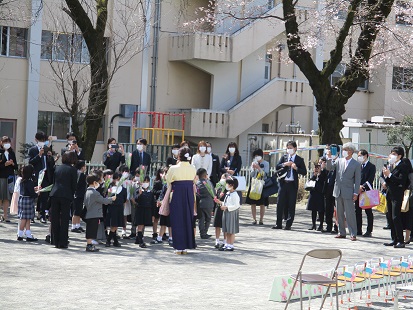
<point x="190" y="189"/>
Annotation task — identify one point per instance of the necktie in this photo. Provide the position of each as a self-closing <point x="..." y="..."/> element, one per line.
<point x="142" y="158"/>
<point x="290" y="169"/>
<point x="362" y="166"/>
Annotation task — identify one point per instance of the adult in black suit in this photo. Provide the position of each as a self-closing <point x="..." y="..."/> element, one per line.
<point x="216" y="171"/>
<point x="287" y="193"/>
<point x="41" y="158"/>
<point x="396" y="179"/>
<point x="231" y="161"/>
<point x="140" y="157"/>
<point x="329" y="199"/>
<point x="61" y="196"/>
<point x="170" y="161"/>
<point x="368" y="173"/>
<point x="72" y="146"/>
<point x="114" y="156"/>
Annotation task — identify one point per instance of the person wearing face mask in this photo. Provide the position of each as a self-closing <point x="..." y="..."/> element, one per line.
<point x="216" y="171"/>
<point x="396" y="178"/>
<point x="231" y="161"/>
<point x="114" y="156"/>
<point x="259" y="167"/>
<point x="202" y="159"/>
<point x="41" y="159"/>
<point x="330" y="201"/>
<point x="8" y="167"/>
<point x="287" y="193"/>
<point x="368" y="173"/>
<point x="93" y="202"/>
<point x="145" y="202"/>
<point x="72" y="146"/>
<point x="221" y="192"/>
<point x="140" y="157"/>
<point x="346" y="190"/>
<point x="170" y="161"/>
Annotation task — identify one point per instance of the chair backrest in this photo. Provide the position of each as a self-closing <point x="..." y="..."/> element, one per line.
<point x="325" y="253"/>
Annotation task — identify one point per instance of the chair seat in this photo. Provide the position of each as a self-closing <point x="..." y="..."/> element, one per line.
<point x="314" y="278"/>
<point x="371" y="276"/>
<point x="356" y="279"/>
<point x="389" y="273"/>
<point x="403" y="269"/>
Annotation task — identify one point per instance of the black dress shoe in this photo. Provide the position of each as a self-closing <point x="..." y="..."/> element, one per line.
<point x="367" y="234"/>
<point x="312" y="227"/>
<point x="320" y="228"/>
<point x="33" y="239"/>
<point x="399" y="245"/>
<point x="386" y="227"/>
<point x="277" y="227"/>
<point x="20" y="238"/>
<point x="390" y="244"/>
<point x="287" y="228"/>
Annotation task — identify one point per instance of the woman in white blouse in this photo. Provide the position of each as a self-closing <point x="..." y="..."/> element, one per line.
<point x="201" y="159"/>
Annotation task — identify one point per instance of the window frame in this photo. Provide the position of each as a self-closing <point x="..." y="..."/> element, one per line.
<point x="7" y="43"/>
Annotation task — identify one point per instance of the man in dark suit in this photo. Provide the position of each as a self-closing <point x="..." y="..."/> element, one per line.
<point x="330" y="201"/>
<point x="368" y="172"/>
<point x="396" y="180"/>
<point x="287" y="193"/>
<point x="140" y="157"/>
<point x="215" y="174"/>
<point x="40" y="157"/>
<point x="72" y="146"/>
<point x="61" y="196"/>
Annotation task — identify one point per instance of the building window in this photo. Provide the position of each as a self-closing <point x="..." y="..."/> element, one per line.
<point x="69" y="47"/>
<point x="403" y="13"/>
<point x="124" y="133"/>
<point x="402" y="79"/>
<point x="339" y="73"/>
<point x="59" y="124"/>
<point x="13" y="41"/>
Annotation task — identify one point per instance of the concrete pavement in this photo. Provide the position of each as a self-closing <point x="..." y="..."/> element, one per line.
<point x="39" y="276"/>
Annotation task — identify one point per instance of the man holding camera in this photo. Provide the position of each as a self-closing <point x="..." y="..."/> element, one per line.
<point x="72" y="146"/>
<point x="40" y="157"/>
<point x="114" y="156"/>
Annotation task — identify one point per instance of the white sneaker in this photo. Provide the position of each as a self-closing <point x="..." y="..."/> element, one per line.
<point x="94" y="242"/>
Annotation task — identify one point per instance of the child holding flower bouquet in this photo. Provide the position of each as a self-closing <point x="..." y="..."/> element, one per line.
<point x="206" y="193"/>
<point x="114" y="216"/>
<point x="221" y="191"/>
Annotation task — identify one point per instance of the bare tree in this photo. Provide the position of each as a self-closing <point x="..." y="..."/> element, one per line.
<point x="85" y="53"/>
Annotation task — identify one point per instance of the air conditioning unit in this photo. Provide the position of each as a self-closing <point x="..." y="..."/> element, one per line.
<point x="356" y="120"/>
<point x="383" y="119"/>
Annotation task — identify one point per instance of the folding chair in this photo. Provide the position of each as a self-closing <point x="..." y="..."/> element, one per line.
<point x="317" y="279"/>
<point x="386" y="270"/>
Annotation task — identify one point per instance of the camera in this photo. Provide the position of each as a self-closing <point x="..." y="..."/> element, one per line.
<point x="114" y="146"/>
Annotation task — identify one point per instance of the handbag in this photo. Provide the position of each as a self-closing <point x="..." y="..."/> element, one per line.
<point x="382" y="207"/>
<point x="83" y="213"/>
<point x="405" y="203"/>
<point x="164" y="208"/>
<point x="256" y="188"/>
<point x="309" y="185"/>
<point x="369" y="199"/>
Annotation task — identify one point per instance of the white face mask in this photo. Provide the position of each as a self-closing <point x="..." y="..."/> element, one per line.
<point x="344" y="153"/>
<point x="392" y="159"/>
<point x="175" y="152"/>
<point x="7" y="146"/>
<point x="125" y="175"/>
<point x="360" y="159"/>
<point x="222" y="182"/>
<point x="139" y="147"/>
<point x="202" y="149"/>
<point x="227" y="187"/>
<point x="40" y="144"/>
<point x="209" y="149"/>
<point x="231" y="149"/>
<point x="290" y="151"/>
<point x="145" y="185"/>
<point x="258" y="158"/>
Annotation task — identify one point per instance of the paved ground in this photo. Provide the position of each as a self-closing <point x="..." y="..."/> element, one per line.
<point x="39" y="276"/>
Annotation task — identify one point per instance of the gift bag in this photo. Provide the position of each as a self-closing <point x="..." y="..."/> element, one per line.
<point x="164" y="208"/>
<point x="256" y="188"/>
<point x="382" y="206"/>
<point x="405" y="203"/>
<point x="309" y="185"/>
<point x="369" y="199"/>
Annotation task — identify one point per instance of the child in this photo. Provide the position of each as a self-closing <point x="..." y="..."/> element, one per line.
<point x="157" y="191"/>
<point x="316" y="198"/>
<point x="114" y="216"/>
<point x="206" y="193"/>
<point x="93" y="203"/>
<point x="164" y="220"/>
<point x="145" y="202"/>
<point x="77" y="204"/>
<point x="124" y="170"/>
<point x="221" y="191"/>
<point x="230" y="219"/>
<point x="26" y="205"/>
